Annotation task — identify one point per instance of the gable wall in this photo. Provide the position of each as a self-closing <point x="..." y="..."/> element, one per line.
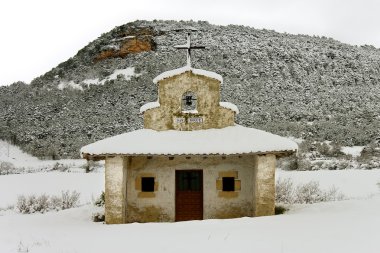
<point x="170" y="91"/>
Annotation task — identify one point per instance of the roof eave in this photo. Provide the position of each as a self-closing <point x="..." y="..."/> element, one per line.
<point x="98" y="157"/>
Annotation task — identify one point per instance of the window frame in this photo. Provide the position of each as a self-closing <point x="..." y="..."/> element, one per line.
<point x="228" y="184"/>
<point x="145" y="181"/>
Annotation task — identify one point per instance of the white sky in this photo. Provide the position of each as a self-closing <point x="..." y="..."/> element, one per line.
<point x="37" y="35"/>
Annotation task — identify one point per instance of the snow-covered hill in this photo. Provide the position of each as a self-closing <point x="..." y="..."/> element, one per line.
<point x="309" y="87"/>
<point x="13" y="154"/>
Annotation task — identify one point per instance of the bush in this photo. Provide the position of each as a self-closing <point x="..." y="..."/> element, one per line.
<point x="304" y="164"/>
<point x="100" y="200"/>
<point x="6" y="168"/>
<point x="280" y="210"/>
<point x="60" y="167"/>
<point x="69" y="199"/>
<point x="91" y="166"/>
<point x="308" y="193"/>
<point x="288" y="163"/>
<point x="45" y="203"/>
<point x="284" y="190"/>
<point x="32" y="204"/>
<point x="98" y="217"/>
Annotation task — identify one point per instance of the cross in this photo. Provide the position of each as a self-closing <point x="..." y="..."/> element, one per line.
<point x="188" y="47"/>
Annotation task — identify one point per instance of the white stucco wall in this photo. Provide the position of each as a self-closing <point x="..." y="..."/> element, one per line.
<point x="145" y="207"/>
<point x="253" y="196"/>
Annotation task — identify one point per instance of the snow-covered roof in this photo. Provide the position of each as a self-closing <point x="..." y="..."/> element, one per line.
<point x="225" y="141"/>
<point x="184" y="69"/>
<point x="149" y="105"/>
<point x="230" y="106"/>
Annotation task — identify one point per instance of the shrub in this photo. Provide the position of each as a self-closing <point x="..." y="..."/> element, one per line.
<point x="100" y="200"/>
<point x="22" y="205"/>
<point x="21" y="248"/>
<point x="304" y="164"/>
<point x="69" y="199"/>
<point x="56" y="203"/>
<point x="41" y="203"/>
<point x="98" y="217"/>
<point x="91" y="166"/>
<point x="284" y="190"/>
<point x="32" y="204"/>
<point x="6" y="168"/>
<point x="308" y="193"/>
<point x="45" y="203"/>
<point x="60" y="167"/>
<point x="280" y="210"/>
<point x="288" y="163"/>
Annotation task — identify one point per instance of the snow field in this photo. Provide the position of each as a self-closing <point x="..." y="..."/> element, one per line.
<point x="12" y="154"/>
<point x="23" y="162"/>
<point x="89" y="185"/>
<point x="352" y="183"/>
<point x="348" y="226"/>
<point x="354" y="151"/>
<point x="344" y="226"/>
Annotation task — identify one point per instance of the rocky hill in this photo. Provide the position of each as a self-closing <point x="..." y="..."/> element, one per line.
<point x="308" y="87"/>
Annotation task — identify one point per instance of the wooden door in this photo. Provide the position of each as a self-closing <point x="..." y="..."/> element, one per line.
<point x="189" y="195"/>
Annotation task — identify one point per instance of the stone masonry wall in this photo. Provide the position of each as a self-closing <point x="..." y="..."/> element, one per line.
<point x="160" y="204"/>
<point x="115" y="187"/>
<point x="264" y="187"/>
<point x="170" y="116"/>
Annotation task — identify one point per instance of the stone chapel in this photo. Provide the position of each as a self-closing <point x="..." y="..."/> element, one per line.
<point x="191" y="161"/>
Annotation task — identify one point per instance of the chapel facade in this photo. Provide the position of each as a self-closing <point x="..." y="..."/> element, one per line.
<point x="191" y="161"/>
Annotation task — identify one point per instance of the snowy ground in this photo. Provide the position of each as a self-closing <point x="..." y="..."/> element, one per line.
<point x="343" y="226"/>
<point x="90" y="185"/>
<point x="346" y="226"/>
<point x="22" y="162"/>
<point x="352" y="183"/>
<point x="354" y="151"/>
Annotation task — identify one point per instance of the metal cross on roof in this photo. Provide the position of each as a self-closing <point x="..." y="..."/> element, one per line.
<point x="189" y="47"/>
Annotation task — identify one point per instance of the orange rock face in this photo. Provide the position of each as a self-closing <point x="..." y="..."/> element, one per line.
<point x="128" y="46"/>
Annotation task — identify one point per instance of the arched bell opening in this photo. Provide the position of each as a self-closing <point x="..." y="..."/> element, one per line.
<point x="189" y="101"/>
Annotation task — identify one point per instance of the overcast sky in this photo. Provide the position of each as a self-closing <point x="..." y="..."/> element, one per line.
<point x="37" y="35"/>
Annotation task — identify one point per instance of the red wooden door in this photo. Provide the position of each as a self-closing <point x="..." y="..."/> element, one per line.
<point x="189" y="195"/>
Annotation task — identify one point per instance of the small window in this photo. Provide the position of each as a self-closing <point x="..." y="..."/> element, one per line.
<point x="228" y="184"/>
<point x="147" y="184"/>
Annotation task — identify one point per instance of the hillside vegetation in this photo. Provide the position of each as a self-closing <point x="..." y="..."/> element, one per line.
<point x="314" y="88"/>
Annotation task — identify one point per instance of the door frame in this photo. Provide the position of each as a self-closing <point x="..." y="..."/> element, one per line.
<point x="175" y="191"/>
